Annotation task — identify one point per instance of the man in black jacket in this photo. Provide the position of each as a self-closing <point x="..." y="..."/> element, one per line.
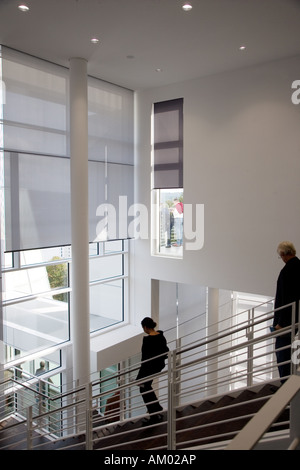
<point x="288" y="291"/>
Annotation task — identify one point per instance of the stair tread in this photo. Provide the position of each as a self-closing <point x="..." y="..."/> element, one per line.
<point x="200" y="423"/>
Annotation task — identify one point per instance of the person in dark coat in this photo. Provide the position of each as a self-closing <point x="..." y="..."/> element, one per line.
<point x="287" y="291"/>
<point x="154" y="344"/>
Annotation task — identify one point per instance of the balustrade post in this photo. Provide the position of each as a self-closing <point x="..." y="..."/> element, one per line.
<point x="212" y="374"/>
<point x="178" y="372"/>
<point x="295" y="415"/>
<point x="171" y="400"/>
<point x="89" y="417"/>
<point x="250" y="349"/>
<point x="293" y="336"/>
<point x="29" y="428"/>
<point x="121" y="381"/>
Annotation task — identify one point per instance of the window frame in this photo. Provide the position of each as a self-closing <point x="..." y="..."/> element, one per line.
<point x="159" y="108"/>
<point x="171" y="184"/>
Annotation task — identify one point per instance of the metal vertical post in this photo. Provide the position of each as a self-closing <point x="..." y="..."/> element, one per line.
<point x="29" y="428"/>
<point x="89" y="417"/>
<point x="212" y="331"/>
<point x="295" y="415"/>
<point x="177" y="373"/>
<point x="121" y="381"/>
<point x="293" y="334"/>
<point x="171" y="400"/>
<point x="250" y="348"/>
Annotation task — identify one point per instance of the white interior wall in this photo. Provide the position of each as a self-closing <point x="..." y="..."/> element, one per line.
<point x="241" y="160"/>
<point x="185" y="302"/>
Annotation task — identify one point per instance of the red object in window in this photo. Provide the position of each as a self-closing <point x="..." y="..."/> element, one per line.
<point x="179" y="207"/>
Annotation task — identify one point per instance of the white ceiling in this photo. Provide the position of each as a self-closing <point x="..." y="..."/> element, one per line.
<point x="139" y="36"/>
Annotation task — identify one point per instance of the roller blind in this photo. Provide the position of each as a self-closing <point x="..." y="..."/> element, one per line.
<point x="36" y="155"/>
<point x="168" y="144"/>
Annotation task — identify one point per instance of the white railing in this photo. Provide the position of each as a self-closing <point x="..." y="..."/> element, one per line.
<point x="260" y="423"/>
<point x="237" y="359"/>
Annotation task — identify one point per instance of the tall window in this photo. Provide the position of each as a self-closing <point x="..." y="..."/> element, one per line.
<point x="167" y="177"/>
<point x="36" y="161"/>
<point x="36" y="300"/>
<point x="35" y="201"/>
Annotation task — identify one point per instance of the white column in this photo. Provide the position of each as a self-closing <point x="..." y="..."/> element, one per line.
<point x="80" y="316"/>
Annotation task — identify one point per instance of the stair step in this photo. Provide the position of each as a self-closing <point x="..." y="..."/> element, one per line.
<point x="198" y="424"/>
<point x="149" y="436"/>
<point x="244" y="406"/>
<point x="192" y="410"/>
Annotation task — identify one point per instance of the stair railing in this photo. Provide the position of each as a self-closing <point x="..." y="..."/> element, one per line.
<point x="261" y="422"/>
<point x="191" y="368"/>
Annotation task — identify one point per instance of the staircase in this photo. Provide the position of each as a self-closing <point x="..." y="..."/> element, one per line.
<point x="193" y="372"/>
<point x="196" y="425"/>
<point x="214" y="422"/>
<point x="207" y="422"/>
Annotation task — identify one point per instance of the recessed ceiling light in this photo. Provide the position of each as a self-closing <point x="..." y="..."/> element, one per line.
<point x="242" y="48"/>
<point x="23" y="7"/>
<point x="187" y="6"/>
<point x="158" y="70"/>
<point x="94" y="40"/>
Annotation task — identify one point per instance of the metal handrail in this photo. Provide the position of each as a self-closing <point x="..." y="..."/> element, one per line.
<point x="256" y="428"/>
<point x="79" y="404"/>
